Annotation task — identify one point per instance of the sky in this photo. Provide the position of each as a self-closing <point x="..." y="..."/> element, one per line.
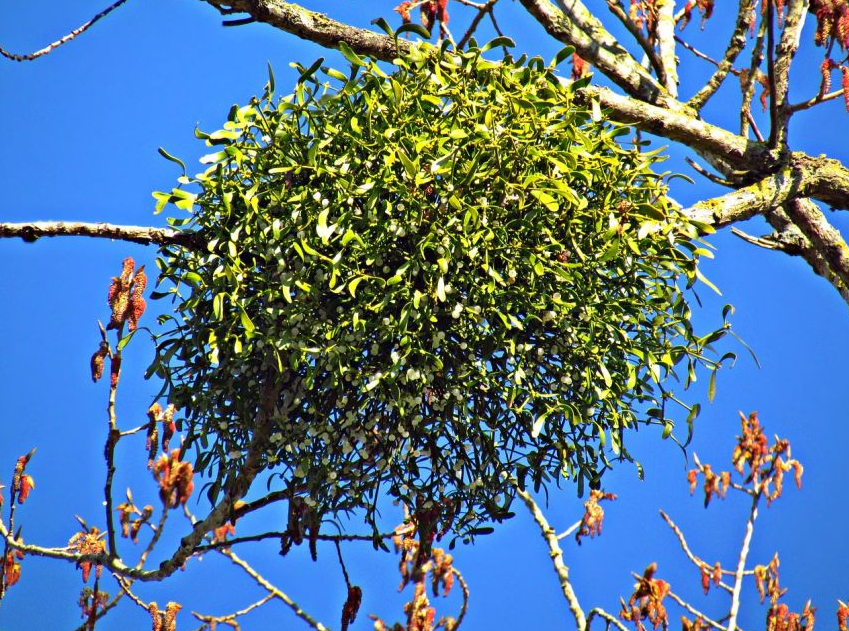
<point x="81" y="128"/>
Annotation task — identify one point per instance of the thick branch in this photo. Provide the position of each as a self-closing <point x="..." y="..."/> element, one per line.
<point x="824" y="237"/>
<point x="748" y="201"/>
<point x="789" y="239"/>
<point x="31" y="232"/>
<point x="315" y="27"/>
<point x="574" y="24"/>
<point x="736" y="151"/>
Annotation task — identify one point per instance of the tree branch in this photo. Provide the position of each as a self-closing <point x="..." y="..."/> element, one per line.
<point x="680" y="126"/>
<point x="665" y="36"/>
<point x="31" y="232"/>
<point x="572" y="23"/>
<point x="824" y="237"/>
<point x="316" y="27"/>
<point x="556" y="555"/>
<point x="64" y="40"/>
<point x="790" y="240"/>
<point x="735" y="46"/>
<point x="617" y="10"/>
<point x="785" y="51"/>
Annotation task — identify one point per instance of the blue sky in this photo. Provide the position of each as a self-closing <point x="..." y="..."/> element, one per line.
<point x="80" y="134"/>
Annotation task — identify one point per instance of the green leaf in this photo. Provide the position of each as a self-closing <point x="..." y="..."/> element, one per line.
<point x="168" y="156"/>
<point x="502" y="40"/>
<point x="712" y="386"/>
<point x="412" y="27"/>
<point x="349" y="54"/>
<point x="545" y="199"/>
<point x="352" y="286"/>
<point x="309" y="72"/>
<point x="562" y="55"/>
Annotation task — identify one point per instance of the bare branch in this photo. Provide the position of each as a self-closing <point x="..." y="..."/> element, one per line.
<point x="741" y="563"/>
<point x="556" y="555"/>
<point x="570" y="530"/>
<point x="274" y="591"/>
<point x="31" y="232"/>
<point x="785" y="51"/>
<point x="748" y="80"/>
<point x="816" y="100"/>
<point x="64" y="40"/>
<point x="665" y="35"/>
<point x="735" y="46"/>
<point x="791" y="241"/>
<point x="618" y="10"/>
<point x="699" y="563"/>
<point x="482" y="11"/>
<point x="746" y="202"/>
<point x="226" y="619"/>
<point x="734" y="151"/>
<point x="695" y="612"/>
<point x="608" y="618"/>
<point x="464" y="586"/>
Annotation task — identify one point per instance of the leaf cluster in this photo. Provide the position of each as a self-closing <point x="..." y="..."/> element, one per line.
<point x="455" y="277"/>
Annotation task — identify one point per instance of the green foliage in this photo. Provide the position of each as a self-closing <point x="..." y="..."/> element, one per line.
<point x="455" y="277"/>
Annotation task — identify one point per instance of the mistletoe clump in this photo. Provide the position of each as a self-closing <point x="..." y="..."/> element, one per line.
<point x="433" y="283"/>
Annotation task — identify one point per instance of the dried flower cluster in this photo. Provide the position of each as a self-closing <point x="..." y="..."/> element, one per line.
<point x="646" y="603"/>
<point x="175" y="479"/>
<point x="432" y="12"/>
<point x="22" y="483"/>
<point x="414" y="567"/>
<point x="88" y="542"/>
<point x="125" y="296"/>
<point x="351" y="606"/>
<point x="12" y="567"/>
<point x="303" y="523"/>
<point x="593" y="518"/>
<point x="91" y="603"/>
<point x="164" y="620"/>
<point x="157" y="415"/>
<point x="710" y="575"/>
<point x="763" y="466"/>
<point x="131" y="518"/>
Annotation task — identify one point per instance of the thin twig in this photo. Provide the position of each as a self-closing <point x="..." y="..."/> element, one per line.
<point x="716" y="179"/>
<point x="816" y="101"/>
<point x="570" y="530"/>
<point x="615" y="7"/>
<point x="693" y="558"/>
<point x="64" y="40"/>
<point x="278" y="534"/>
<point x="749" y="81"/>
<point x="342" y="564"/>
<point x="762" y="242"/>
<point x="274" y="591"/>
<point x="232" y="616"/>
<point x="695" y="611"/>
<point x="464" y="586"/>
<point x="113" y="435"/>
<point x="482" y="11"/>
<point x="610" y="619"/>
<point x="741" y="562"/>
